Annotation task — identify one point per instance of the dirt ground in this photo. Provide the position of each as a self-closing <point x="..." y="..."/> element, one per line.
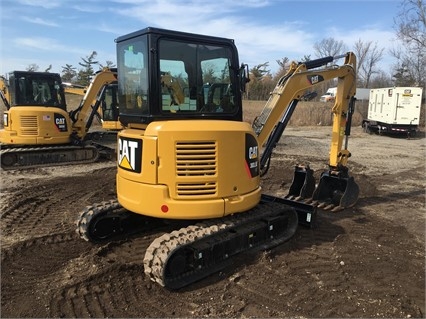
<point x="367" y="261"/>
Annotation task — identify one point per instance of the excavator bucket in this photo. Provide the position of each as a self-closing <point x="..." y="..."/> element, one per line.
<point x="303" y="184"/>
<point x="335" y="191"/>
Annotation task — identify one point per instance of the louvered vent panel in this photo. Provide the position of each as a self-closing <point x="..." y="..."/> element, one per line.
<point x="196" y="161"/>
<point x="29" y="125"/>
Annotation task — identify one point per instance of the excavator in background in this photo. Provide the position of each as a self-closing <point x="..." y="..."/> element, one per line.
<point x="4" y="92"/>
<point x="38" y="130"/>
<point x="107" y="113"/>
<point x="186" y="154"/>
<point x="72" y="88"/>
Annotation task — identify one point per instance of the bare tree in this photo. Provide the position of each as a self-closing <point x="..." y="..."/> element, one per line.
<point x="283" y="64"/>
<point x="329" y="47"/>
<point x="410" y="69"/>
<point x="381" y="80"/>
<point x="410" y="25"/>
<point x="411" y="22"/>
<point x="368" y="55"/>
<point x="32" y="67"/>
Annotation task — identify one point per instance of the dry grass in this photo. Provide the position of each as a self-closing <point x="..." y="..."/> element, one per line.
<point x="314" y="113"/>
<point x="306" y="113"/>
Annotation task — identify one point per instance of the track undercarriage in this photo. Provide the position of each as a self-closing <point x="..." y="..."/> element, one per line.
<point x="24" y="157"/>
<point x="197" y="249"/>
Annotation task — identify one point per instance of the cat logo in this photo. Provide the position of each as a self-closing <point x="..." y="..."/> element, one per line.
<point x="314" y="79"/>
<point x="252" y="152"/>
<point x="252" y="155"/>
<point x="130" y="154"/>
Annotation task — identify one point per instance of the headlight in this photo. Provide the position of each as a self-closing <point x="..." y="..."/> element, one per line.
<point x="6" y="119"/>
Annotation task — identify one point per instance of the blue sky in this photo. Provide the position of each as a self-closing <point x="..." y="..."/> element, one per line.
<point x="60" y="32"/>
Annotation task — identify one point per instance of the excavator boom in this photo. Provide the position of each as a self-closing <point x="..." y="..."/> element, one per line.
<point x="271" y="123"/>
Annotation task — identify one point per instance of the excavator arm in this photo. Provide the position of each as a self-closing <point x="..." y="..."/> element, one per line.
<point x="173" y="86"/>
<point x="82" y="117"/>
<point x="4" y="92"/>
<point x="290" y="89"/>
<point x="74" y="89"/>
<point x="277" y="112"/>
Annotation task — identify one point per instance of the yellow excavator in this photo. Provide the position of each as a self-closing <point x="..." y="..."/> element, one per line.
<point x="107" y="113"/>
<point x="38" y="130"/>
<point x="186" y="154"/>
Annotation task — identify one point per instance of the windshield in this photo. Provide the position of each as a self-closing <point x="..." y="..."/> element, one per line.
<point x="133" y="76"/>
<point x="199" y="74"/>
<point x="172" y="78"/>
<point x="35" y="89"/>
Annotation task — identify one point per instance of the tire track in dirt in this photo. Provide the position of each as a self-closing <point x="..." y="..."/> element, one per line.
<point x="56" y="274"/>
<point x="287" y="267"/>
<point x="33" y="265"/>
<point x="100" y="292"/>
<point x="49" y="207"/>
<point x="102" y="295"/>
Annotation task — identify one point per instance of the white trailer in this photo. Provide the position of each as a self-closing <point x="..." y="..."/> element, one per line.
<point x="362" y="94"/>
<point x="394" y="110"/>
<point x="330" y="95"/>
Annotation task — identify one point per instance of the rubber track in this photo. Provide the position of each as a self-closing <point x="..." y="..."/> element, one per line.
<point x="22" y="151"/>
<point x="158" y="253"/>
<point x="108" y="220"/>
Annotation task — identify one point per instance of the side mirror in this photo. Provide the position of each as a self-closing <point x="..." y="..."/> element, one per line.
<point x="243" y="75"/>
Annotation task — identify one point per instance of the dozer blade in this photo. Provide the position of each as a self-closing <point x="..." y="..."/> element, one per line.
<point x="336" y="191"/>
<point x="303" y="184"/>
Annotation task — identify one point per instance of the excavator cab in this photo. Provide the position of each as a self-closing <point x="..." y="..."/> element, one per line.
<point x="36" y="89"/>
<point x="179" y="79"/>
<point x="37" y="110"/>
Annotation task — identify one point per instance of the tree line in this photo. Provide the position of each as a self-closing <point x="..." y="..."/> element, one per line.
<point x="409" y="53"/>
<point x="409" y="68"/>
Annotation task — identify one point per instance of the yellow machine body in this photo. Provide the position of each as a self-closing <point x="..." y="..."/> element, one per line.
<point x="185" y="152"/>
<point x="27" y="125"/>
<point x="188" y="170"/>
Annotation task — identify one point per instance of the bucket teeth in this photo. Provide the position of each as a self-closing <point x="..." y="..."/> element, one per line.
<point x="336" y="190"/>
<point x="303" y="184"/>
<point x="337" y="209"/>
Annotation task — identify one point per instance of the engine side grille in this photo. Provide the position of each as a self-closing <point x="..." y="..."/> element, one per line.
<point x="196" y="162"/>
<point x="29" y="126"/>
